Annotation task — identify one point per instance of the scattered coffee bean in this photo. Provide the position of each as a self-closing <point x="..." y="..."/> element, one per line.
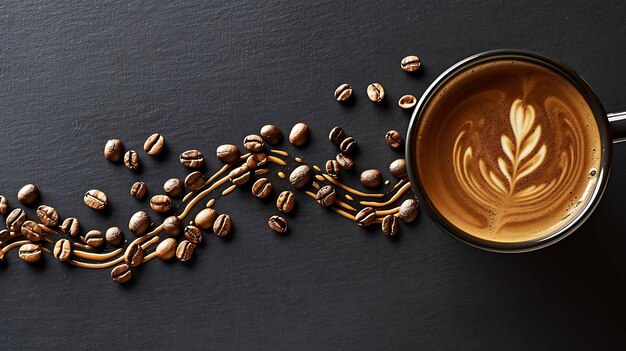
<point x="31" y="231"/>
<point x="365" y="217"/>
<point x="184" y="251"/>
<point x="172" y="226"/>
<point x="4" y="205"/>
<point x="240" y="175"/>
<point x="139" y="223"/>
<point x="166" y="250"/>
<point x="30" y="253"/>
<point x="278" y="224"/>
<point x="347" y="146"/>
<point x="407" y="102"/>
<point x="154" y="144"/>
<point x="70" y="226"/>
<point x="301" y="176"/>
<point x="15" y="219"/>
<point x="409" y="209"/>
<point x="344" y="161"/>
<point x="262" y="188"/>
<point x="371" y="178"/>
<point x="393" y="139"/>
<point x="173" y="187"/>
<point x="336" y="135"/>
<point x="343" y="92"/>
<point x="161" y="203"/>
<point x="48" y="215"/>
<point x="389" y="225"/>
<point x="131" y="160"/>
<point x="194" y="181"/>
<point x="410" y="63"/>
<point x="1" y="255"/>
<point x="227" y="153"/>
<point x="193" y="234"/>
<point x="375" y="92"/>
<point x="133" y="256"/>
<point x="95" y="199"/>
<point x="271" y="134"/>
<point x="398" y="168"/>
<point x="113" y="150"/>
<point x="253" y="143"/>
<point x="222" y="225"/>
<point x="28" y="194"/>
<point x="114" y="236"/>
<point x="191" y="158"/>
<point x="332" y="168"/>
<point x="94" y="238"/>
<point x="205" y="218"/>
<point x="286" y="201"/>
<point x="5" y="236"/>
<point x="326" y="196"/>
<point x="62" y="250"/>
<point x="256" y="160"/>
<point x="121" y="273"/>
<point x="299" y="134"/>
<point x="138" y="190"/>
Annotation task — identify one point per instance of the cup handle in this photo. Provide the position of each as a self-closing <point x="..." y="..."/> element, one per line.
<point x="618" y="126"/>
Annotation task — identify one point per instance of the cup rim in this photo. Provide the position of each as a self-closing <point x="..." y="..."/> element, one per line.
<point x="603" y="172"/>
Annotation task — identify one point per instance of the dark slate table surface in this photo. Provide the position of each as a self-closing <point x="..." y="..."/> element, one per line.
<point x="204" y="73"/>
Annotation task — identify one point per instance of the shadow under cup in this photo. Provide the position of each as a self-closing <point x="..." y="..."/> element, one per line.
<point x="488" y="178"/>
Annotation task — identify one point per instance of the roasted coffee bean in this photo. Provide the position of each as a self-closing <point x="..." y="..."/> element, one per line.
<point x="194" y="181"/>
<point x="70" y="226"/>
<point x="139" y="223"/>
<point x="131" y="160"/>
<point x="138" y="190"/>
<point x="256" y="160"/>
<point x="166" y="249"/>
<point x="95" y="199"/>
<point x="371" y="178"/>
<point x="389" y="225"/>
<point x="113" y="150"/>
<point x="5" y="236"/>
<point x="332" y="168"/>
<point x="222" y="225"/>
<point x="154" y="144"/>
<point x="114" y="236"/>
<point x="326" y="196"/>
<point x="30" y="253"/>
<point x="409" y="209"/>
<point x="240" y="175"/>
<point x="301" y="176"/>
<point x="15" y="219"/>
<point x="344" y="161"/>
<point x="1" y="255"/>
<point x="193" y="234"/>
<point x="172" y="226"/>
<point x="365" y="217"/>
<point x="121" y="273"/>
<point x="133" y="256"/>
<point x="375" y="92"/>
<point x="407" y="102"/>
<point x="398" y="168"/>
<point x="191" y="158"/>
<point x="410" y="63"/>
<point x="4" y="205"/>
<point x="184" y="251"/>
<point x="253" y="143"/>
<point x="347" y="146"/>
<point x="94" y="238"/>
<point x="336" y="135"/>
<point x="31" y="231"/>
<point x="48" y="215"/>
<point x="343" y="92"/>
<point x="299" y="134"/>
<point x="271" y="134"/>
<point x="161" y="203"/>
<point x="278" y="224"/>
<point x="227" y="153"/>
<point x="205" y="218"/>
<point x="393" y="139"/>
<point x="286" y="201"/>
<point x="262" y="188"/>
<point x="173" y="187"/>
<point x="28" y="194"/>
<point x="62" y="250"/>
